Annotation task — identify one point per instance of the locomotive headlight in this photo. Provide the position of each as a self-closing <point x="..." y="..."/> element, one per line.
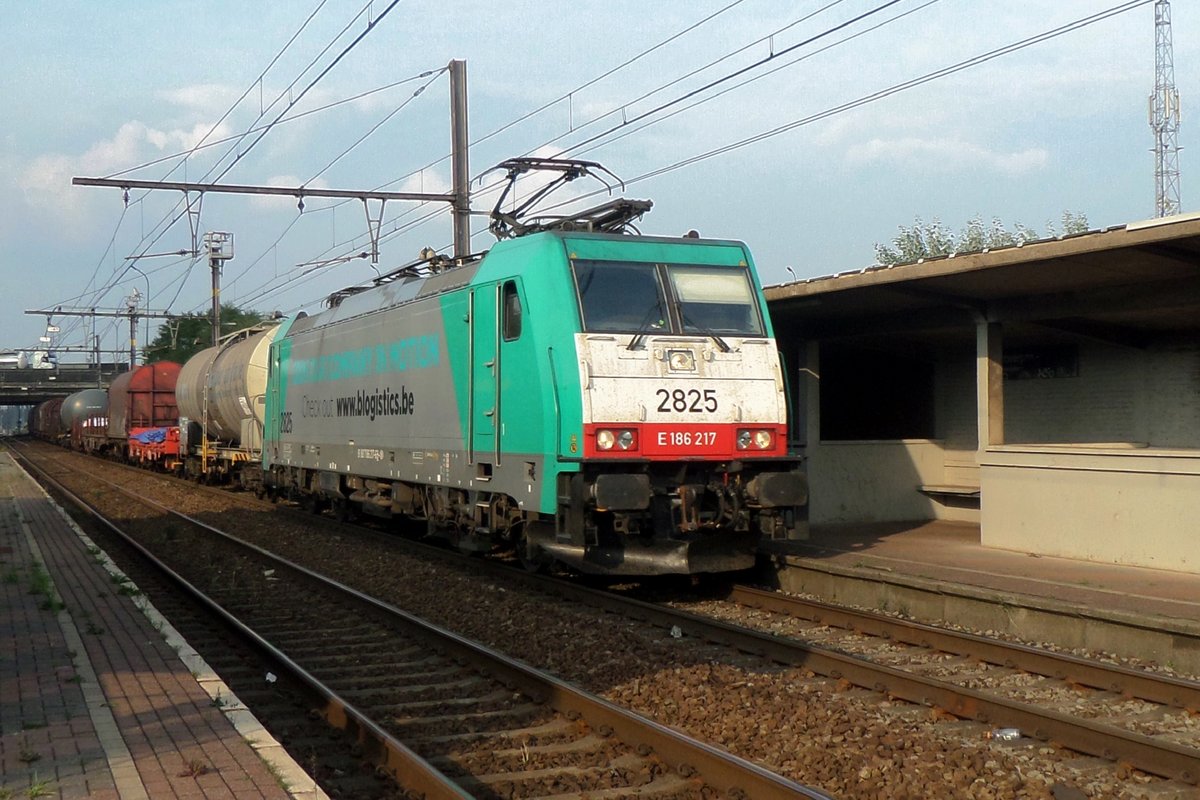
<point x="607" y="439"/>
<point x="761" y="439"/>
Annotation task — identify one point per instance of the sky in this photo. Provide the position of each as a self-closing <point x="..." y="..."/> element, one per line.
<point x="161" y="91"/>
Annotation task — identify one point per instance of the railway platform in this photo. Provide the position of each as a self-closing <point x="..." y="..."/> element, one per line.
<point x="940" y="572"/>
<point x="99" y="697"/>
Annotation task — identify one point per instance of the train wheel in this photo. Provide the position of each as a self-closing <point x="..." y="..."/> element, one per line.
<point x="532" y="557"/>
<point x="342" y="510"/>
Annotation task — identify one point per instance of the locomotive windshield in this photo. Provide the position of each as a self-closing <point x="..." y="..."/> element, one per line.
<point x="629" y="297"/>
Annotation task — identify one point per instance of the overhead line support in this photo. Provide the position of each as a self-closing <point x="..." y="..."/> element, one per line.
<point x="299" y="192"/>
<point x="460" y="170"/>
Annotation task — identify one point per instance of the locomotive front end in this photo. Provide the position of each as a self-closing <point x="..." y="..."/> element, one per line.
<point x="685" y="463"/>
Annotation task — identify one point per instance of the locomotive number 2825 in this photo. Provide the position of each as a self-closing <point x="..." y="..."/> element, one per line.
<point x="693" y="401"/>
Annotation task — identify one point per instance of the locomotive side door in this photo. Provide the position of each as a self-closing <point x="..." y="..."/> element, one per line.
<point x="484" y="338"/>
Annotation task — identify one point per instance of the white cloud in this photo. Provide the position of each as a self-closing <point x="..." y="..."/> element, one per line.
<point x="204" y="99"/>
<point x="46" y="180"/>
<point x="947" y="155"/>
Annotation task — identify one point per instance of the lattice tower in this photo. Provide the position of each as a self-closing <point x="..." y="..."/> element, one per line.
<point x="1164" y="115"/>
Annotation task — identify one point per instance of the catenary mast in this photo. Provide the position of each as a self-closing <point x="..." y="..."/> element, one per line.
<point x="1164" y="116"/>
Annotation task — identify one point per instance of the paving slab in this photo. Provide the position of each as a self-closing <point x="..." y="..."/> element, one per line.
<point x="99" y="696"/>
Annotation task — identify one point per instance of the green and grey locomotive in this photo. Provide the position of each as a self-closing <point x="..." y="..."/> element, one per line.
<point x="607" y="400"/>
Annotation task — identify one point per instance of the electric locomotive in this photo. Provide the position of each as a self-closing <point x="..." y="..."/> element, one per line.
<point x="608" y="400"/>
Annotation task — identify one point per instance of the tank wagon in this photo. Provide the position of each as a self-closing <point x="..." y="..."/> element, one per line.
<point x="611" y="401"/>
<point x="80" y="407"/>
<point x="222" y="404"/>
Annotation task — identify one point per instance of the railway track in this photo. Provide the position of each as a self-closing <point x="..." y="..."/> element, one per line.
<point x="1127" y="718"/>
<point x="446" y="717"/>
<point x="1133" y="718"/>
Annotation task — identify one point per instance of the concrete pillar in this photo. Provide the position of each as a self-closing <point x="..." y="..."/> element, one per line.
<point x="810" y="394"/>
<point x="989" y="383"/>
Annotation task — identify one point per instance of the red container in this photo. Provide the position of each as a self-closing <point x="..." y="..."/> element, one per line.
<point x="48" y="418"/>
<point x="152" y="396"/>
<point x="143" y="398"/>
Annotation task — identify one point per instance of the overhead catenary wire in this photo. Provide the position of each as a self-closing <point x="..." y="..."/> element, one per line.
<point x="183" y="156"/>
<point x="880" y="94"/>
<point x="264" y="131"/>
<point x="116" y="278"/>
<point x="741" y="71"/>
<point x="833" y="29"/>
<point x="621" y="134"/>
<point x="293" y="118"/>
<point x="347" y="255"/>
<point x="433" y="75"/>
<point x="886" y="92"/>
<point x="627" y="129"/>
<point x="168" y="221"/>
<point x="378" y="125"/>
<point x="551" y="103"/>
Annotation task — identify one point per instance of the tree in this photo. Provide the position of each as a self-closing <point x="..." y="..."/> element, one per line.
<point x="927" y="240"/>
<point x="181" y="337"/>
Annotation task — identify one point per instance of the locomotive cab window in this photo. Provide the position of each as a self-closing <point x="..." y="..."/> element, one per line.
<point x="619" y="297"/>
<point x="627" y="297"/>
<point x="714" y="299"/>
<point x="512" y="312"/>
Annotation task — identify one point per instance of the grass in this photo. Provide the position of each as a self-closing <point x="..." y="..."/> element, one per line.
<point x="124" y="585"/>
<point x="39" y="582"/>
<point x="12" y="576"/>
<point x="193" y="768"/>
<point x="39" y="789"/>
<point x="276" y="774"/>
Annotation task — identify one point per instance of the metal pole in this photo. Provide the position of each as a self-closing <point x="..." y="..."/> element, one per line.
<point x="215" y="264"/>
<point x="146" y="340"/>
<point x="132" y="337"/>
<point x="459" y="163"/>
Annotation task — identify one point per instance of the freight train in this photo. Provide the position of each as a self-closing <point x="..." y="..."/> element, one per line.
<point x="611" y="401"/>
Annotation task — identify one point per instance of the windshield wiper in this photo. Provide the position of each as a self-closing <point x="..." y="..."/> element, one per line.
<point x="709" y="332"/>
<point x="653" y="318"/>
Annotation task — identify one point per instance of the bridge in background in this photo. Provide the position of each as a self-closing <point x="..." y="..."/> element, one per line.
<point x="32" y="386"/>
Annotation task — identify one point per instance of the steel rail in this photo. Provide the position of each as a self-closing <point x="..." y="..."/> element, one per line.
<point x="1164" y="689"/>
<point x="1155" y="756"/>
<point x="1145" y="753"/>
<point x="729" y="774"/>
<point x="407" y="768"/>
